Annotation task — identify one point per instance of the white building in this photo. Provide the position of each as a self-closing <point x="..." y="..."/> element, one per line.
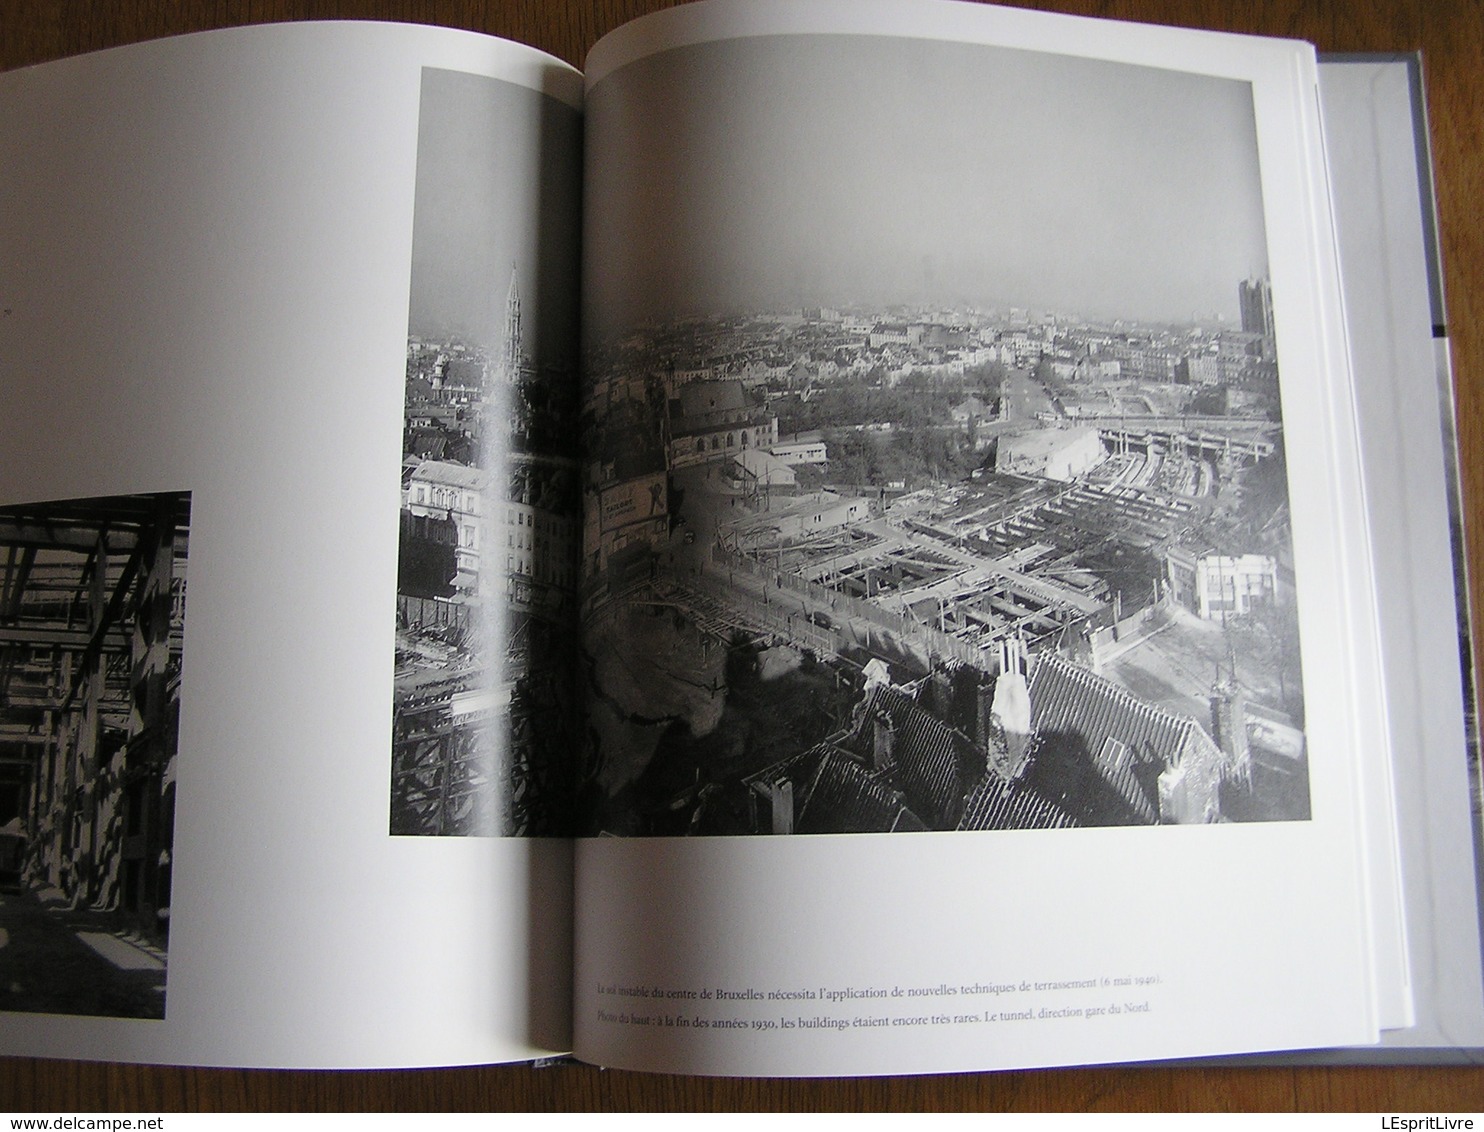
<point x="439" y="489"/>
<point x="1053" y="453"/>
<point x="540" y="540"/>
<point x="807" y="515"/>
<point x="802" y="448"/>
<point x="1221" y="585"/>
<point x="762" y="471"/>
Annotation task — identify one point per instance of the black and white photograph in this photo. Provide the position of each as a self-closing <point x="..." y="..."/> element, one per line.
<point x="92" y="612"/>
<point x="484" y="711"/>
<point x="935" y="474"/>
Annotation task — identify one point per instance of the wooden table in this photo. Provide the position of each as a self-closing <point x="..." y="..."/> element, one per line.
<point x="1450" y="34"/>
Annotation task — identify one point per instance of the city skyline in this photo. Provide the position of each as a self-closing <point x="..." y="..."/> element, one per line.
<point x="1099" y="189"/>
<point x="524" y="221"/>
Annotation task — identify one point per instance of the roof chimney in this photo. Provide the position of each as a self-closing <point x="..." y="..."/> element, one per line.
<point x="781" y="799"/>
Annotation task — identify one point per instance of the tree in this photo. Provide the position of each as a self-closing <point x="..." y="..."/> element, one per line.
<point x="1267" y="638"/>
<point x="1209" y="401"/>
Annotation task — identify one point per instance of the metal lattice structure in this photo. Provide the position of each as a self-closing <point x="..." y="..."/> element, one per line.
<point x="92" y="605"/>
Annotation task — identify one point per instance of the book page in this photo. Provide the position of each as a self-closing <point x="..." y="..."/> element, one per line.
<point x="227" y="280"/>
<point x="1377" y="143"/>
<point x="978" y="619"/>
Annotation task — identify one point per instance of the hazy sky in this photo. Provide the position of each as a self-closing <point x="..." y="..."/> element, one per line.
<point x="497" y="187"/>
<point x="800" y="170"/>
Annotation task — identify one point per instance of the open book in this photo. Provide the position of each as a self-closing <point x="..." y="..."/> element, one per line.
<point x="853" y="538"/>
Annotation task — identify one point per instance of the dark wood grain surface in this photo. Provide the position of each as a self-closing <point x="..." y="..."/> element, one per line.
<point x="1450" y="33"/>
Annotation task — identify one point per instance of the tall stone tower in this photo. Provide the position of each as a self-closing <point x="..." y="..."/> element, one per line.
<point x="1255" y="296"/>
<point x="511" y="358"/>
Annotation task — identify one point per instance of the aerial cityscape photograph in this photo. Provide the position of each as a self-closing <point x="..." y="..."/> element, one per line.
<point x="954" y="501"/>
<point x="484" y="705"/>
<point x="958" y="501"/>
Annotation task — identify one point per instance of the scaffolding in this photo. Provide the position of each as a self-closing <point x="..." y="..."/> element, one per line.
<point x="92" y="606"/>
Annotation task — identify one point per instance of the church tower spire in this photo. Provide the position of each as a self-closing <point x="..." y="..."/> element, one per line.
<point x="510" y="363"/>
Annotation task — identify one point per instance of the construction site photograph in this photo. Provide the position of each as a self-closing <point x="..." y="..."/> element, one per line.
<point x="985" y="574"/>
<point x="939" y="492"/>
<point x="92" y="614"/>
